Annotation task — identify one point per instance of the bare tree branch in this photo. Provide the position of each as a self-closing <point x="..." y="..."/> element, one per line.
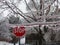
<point x="34" y="5"/>
<point x="17" y="13"/>
<point x="27" y="16"/>
<point x="30" y="10"/>
<point x="47" y="12"/>
<point x="23" y="13"/>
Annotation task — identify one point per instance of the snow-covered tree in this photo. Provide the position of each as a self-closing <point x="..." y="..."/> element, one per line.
<point x="34" y="10"/>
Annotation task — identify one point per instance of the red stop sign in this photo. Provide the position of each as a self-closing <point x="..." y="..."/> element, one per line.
<point x="19" y="31"/>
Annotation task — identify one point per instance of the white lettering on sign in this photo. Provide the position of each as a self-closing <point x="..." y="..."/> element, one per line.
<point x="19" y="29"/>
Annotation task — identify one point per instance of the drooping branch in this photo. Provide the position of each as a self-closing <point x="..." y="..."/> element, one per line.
<point x="20" y="15"/>
<point x="34" y="5"/>
<point x="17" y="13"/>
<point x="23" y="13"/>
<point x="41" y="7"/>
<point x="47" y="11"/>
<point x="30" y="10"/>
<point x="48" y="8"/>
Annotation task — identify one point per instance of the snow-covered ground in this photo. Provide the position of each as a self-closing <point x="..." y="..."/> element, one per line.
<point x="5" y="43"/>
<point x="22" y="41"/>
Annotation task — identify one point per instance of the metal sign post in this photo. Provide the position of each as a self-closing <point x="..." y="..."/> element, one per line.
<point x="19" y="41"/>
<point x="19" y="32"/>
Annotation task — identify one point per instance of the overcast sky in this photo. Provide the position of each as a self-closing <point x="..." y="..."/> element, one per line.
<point x="22" y="6"/>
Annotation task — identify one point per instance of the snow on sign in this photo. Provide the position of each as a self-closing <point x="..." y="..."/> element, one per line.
<point x="19" y="31"/>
